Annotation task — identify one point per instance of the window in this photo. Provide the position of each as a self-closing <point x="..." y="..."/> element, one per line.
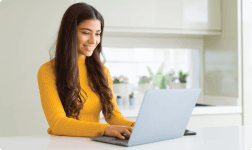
<point x="133" y="62"/>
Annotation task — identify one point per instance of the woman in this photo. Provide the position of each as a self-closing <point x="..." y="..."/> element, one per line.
<point x="77" y="70"/>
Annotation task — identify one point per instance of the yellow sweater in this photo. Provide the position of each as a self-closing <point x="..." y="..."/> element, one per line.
<point x="88" y="124"/>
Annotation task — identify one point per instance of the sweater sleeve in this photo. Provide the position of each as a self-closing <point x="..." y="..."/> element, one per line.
<point x="118" y="119"/>
<point x="55" y="114"/>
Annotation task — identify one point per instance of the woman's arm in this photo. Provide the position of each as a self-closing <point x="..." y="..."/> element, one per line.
<point x="55" y="114"/>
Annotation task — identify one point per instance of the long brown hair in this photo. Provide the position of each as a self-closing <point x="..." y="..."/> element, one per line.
<point x="66" y="64"/>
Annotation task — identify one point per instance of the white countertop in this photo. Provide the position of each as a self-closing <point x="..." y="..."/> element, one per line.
<point x="132" y="111"/>
<point x="214" y="138"/>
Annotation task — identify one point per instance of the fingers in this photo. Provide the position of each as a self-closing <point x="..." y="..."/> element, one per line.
<point x="117" y="131"/>
<point x="128" y="132"/>
<point x="130" y="129"/>
<point x="120" y="136"/>
<point x="125" y="130"/>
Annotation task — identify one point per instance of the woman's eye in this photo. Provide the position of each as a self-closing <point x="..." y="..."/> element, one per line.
<point x="88" y="33"/>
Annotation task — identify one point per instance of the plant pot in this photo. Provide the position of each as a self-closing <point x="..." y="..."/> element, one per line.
<point x="120" y="88"/>
<point x="178" y="86"/>
<point x="182" y="81"/>
<point x="119" y="101"/>
<point x="145" y="86"/>
<point x="132" y="101"/>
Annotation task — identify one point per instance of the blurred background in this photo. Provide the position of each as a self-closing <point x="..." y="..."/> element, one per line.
<point x="161" y="44"/>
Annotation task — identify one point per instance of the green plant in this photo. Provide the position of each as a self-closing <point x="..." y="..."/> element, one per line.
<point x="144" y="79"/>
<point x="116" y="81"/>
<point x="182" y="76"/>
<point x="131" y="95"/>
<point x="120" y="79"/>
<point x="164" y="81"/>
<point x="159" y="79"/>
<point x="118" y="96"/>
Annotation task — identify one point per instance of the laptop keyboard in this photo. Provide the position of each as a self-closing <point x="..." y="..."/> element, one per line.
<point x="120" y="140"/>
<point x="113" y="140"/>
<point x="126" y="136"/>
<point x="117" y="141"/>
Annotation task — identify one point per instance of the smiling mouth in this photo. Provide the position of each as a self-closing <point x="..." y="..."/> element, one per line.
<point x="89" y="46"/>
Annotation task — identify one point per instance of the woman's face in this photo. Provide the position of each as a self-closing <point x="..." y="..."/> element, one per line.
<point x="88" y="35"/>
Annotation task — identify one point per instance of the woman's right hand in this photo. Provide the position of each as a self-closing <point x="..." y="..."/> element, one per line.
<point x="117" y="131"/>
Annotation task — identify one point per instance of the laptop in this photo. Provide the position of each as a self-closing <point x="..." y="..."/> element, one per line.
<point x="164" y="115"/>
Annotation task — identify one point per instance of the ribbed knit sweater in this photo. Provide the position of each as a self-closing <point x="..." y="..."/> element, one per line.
<point x="88" y="124"/>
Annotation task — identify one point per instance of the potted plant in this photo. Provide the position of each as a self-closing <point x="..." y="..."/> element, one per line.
<point x="119" y="100"/>
<point x="132" y="99"/>
<point x="182" y="81"/>
<point x="144" y="79"/>
<point x="120" y="84"/>
<point x="159" y="79"/>
<point x="144" y="84"/>
<point x="182" y="77"/>
<point x="164" y="81"/>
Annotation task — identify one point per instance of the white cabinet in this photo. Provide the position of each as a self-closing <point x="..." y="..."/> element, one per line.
<point x="160" y="16"/>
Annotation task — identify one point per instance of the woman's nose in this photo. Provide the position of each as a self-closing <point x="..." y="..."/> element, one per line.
<point x="91" y="39"/>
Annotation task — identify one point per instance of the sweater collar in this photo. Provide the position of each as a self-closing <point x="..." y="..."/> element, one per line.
<point x="81" y="61"/>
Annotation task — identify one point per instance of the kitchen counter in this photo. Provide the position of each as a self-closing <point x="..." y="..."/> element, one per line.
<point x="132" y="111"/>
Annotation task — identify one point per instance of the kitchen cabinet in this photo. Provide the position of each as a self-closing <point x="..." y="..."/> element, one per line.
<point x="160" y="16"/>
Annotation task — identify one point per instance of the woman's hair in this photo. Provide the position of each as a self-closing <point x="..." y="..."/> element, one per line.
<point x="66" y="64"/>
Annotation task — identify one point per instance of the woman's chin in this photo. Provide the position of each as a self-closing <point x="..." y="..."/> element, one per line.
<point x="88" y="54"/>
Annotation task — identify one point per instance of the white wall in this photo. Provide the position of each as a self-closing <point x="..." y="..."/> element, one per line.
<point x="27" y="30"/>
<point x="247" y="60"/>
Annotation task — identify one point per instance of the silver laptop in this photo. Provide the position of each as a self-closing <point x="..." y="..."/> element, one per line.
<point x="164" y="115"/>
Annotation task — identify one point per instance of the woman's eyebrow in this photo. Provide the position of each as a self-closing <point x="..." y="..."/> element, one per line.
<point x="88" y="29"/>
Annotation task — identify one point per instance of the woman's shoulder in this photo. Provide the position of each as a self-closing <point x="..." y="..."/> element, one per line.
<point x="47" y="67"/>
<point x="106" y="70"/>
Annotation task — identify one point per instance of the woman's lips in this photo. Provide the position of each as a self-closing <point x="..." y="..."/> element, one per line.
<point x="89" y="46"/>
